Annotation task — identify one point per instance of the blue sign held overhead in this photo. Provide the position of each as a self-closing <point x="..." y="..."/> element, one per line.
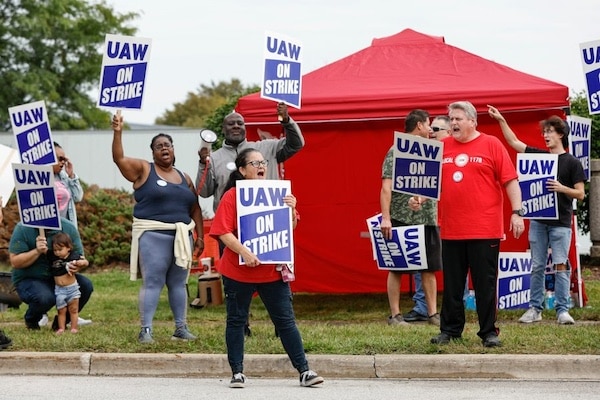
<point x="32" y="133"/>
<point x="590" y="59"/>
<point x="282" y="75"/>
<point x="124" y="67"/>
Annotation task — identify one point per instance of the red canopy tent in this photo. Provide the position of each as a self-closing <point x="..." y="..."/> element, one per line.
<point x="350" y="109"/>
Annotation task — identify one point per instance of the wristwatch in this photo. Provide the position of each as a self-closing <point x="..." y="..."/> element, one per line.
<point x="520" y="212"/>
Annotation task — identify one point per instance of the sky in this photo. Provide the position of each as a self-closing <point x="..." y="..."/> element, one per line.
<point x="201" y="42"/>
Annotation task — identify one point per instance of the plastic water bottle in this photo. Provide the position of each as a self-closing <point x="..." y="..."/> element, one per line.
<point x="470" y="302"/>
<point x="549" y="300"/>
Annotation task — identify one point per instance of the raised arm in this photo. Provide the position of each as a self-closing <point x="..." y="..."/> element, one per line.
<point x="510" y="137"/>
<point x="293" y="141"/>
<point x="132" y="169"/>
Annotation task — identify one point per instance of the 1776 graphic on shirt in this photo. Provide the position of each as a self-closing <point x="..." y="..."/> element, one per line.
<point x="264" y="220"/>
<point x="534" y="170"/>
<point x="417" y="165"/>
<point x="405" y="251"/>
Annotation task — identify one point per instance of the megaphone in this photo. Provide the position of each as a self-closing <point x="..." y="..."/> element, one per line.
<point x="207" y="138"/>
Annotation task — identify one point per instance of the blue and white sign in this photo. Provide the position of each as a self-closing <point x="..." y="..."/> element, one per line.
<point x="417" y="165"/>
<point x="123" y="75"/>
<point x="282" y="74"/>
<point x="264" y="220"/>
<point x="590" y="59"/>
<point x="534" y="170"/>
<point x="580" y="141"/>
<point x="36" y="197"/>
<point x="404" y="252"/>
<point x="31" y="128"/>
<point x="514" y="273"/>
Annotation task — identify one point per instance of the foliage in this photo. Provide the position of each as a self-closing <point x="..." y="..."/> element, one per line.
<point x="49" y="51"/>
<point x="579" y="106"/>
<point x="104" y="221"/>
<point x="198" y="106"/>
<point x="330" y="324"/>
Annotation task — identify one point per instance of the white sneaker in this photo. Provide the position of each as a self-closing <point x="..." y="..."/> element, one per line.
<point x="43" y="321"/>
<point x="532" y="315"/>
<point x="564" y="318"/>
<point x="238" y="381"/>
<point x="83" y="321"/>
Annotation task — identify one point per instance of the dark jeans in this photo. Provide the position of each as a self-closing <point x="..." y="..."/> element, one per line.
<point x="277" y="298"/>
<point x="480" y="256"/>
<point x="39" y="295"/>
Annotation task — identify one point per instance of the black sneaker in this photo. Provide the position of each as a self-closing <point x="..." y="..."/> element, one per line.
<point x="413" y="316"/>
<point x="238" y="381"/>
<point x="32" y="326"/>
<point x="491" y="340"/>
<point x="310" y="378"/>
<point x="5" y="341"/>
<point x="443" y="338"/>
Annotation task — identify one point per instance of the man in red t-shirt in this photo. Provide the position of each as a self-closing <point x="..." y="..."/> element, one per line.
<point x="475" y="169"/>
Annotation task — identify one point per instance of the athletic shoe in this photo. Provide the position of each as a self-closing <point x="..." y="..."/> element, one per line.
<point x="443" y="338"/>
<point x="43" y="321"/>
<point x="182" y="333"/>
<point x="531" y="315"/>
<point x="413" y="316"/>
<point x="433" y="319"/>
<point x="5" y="341"/>
<point x="397" y="320"/>
<point x="83" y="321"/>
<point x="310" y="378"/>
<point x="32" y="326"/>
<point x="564" y="318"/>
<point x="145" y="336"/>
<point x="491" y="340"/>
<point x="238" y="381"/>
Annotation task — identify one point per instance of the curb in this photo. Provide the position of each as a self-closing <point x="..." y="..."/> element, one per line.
<point x="444" y="366"/>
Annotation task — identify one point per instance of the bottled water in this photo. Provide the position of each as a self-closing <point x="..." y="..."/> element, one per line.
<point x="549" y="300"/>
<point x="470" y="301"/>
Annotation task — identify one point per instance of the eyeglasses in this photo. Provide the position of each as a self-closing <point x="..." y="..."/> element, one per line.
<point x="160" y="146"/>
<point x="257" y="164"/>
<point x="62" y="159"/>
<point x="437" y="128"/>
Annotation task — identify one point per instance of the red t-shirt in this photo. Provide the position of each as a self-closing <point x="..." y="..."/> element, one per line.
<point x="225" y="221"/>
<point x="473" y="179"/>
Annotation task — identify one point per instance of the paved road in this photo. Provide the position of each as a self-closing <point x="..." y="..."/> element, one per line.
<point x="144" y="388"/>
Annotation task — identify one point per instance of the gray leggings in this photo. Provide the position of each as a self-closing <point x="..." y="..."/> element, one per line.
<point x="157" y="265"/>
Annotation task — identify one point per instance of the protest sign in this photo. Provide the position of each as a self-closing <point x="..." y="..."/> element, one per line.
<point x="590" y="59"/>
<point x="264" y="220"/>
<point x="580" y="141"/>
<point x="282" y="73"/>
<point x="36" y="196"/>
<point x="31" y="128"/>
<point x="534" y="170"/>
<point x="123" y="74"/>
<point x="404" y="252"/>
<point x="8" y="156"/>
<point x="417" y="165"/>
<point x="514" y="273"/>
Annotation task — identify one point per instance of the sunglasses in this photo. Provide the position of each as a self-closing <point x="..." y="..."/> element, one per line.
<point x="62" y="159"/>
<point x="437" y="129"/>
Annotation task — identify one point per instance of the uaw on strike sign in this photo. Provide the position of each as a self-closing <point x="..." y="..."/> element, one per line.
<point x="34" y="185"/>
<point x="264" y="220"/>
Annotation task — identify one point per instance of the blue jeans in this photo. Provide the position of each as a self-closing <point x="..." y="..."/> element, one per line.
<point x="39" y="295"/>
<point x="419" y="296"/>
<point x="558" y="238"/>
<point x="277" y="298"/>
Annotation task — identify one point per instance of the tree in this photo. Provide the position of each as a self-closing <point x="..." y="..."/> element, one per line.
<point x="49" y="51"/>
<point x="579" y="106"/>
<point x="198" y="106"/>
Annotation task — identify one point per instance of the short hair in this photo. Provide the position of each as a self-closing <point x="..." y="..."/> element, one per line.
<point x="444" y="118"/>
<point x="467" y="107"/>
<point x="61" y="239"/>
<point x="560" y="126"/>
<point x="413" y="118"/>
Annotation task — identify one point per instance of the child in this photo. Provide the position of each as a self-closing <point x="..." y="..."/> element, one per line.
<point x="66" y="289"/>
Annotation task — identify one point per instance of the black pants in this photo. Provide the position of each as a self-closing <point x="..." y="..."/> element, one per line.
<point x="481" y="257"/>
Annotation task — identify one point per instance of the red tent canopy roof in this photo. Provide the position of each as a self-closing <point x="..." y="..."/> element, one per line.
<point x="405" y="71"/>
